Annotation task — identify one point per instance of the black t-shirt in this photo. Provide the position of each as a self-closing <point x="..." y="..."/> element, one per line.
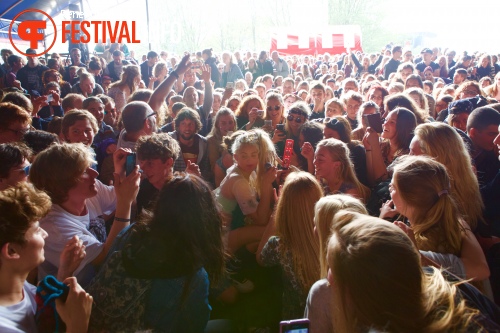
<point x="353" y="123"/>
<point x="146" y="196"/>
<point x="316" y="115"/>
<point x="421" y="66"/>
<point x="487" y="166"/>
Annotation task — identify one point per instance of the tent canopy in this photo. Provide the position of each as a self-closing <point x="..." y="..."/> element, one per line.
<point x="10" y="8"/>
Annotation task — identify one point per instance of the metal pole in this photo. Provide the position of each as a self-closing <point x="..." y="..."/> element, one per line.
<point x="147" y="19"/>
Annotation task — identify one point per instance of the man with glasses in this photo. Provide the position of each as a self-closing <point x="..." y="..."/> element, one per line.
<point x="14" y="122"/>
<point x="30" y="75"/>
<point x="138" y="120"/>
<point x="14" y="164"/>
<point x="299" y="113"/>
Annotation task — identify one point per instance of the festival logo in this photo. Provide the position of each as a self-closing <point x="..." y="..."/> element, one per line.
<point x="74" y="28"/>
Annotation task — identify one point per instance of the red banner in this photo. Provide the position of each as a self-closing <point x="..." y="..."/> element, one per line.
<point x="291" y="44"/>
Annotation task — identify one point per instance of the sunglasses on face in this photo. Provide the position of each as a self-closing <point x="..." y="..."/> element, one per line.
<point x="297" y="119"/>
<point x="150" y="115"/>
<point x="276" y="108"/>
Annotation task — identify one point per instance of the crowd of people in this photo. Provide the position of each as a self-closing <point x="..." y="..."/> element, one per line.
<point x="226" y="192"/>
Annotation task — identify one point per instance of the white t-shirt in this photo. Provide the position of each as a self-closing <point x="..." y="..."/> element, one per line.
<point x="20" y="317"/>
<point x="122" y="143"/>
<point x="62" y="226"/>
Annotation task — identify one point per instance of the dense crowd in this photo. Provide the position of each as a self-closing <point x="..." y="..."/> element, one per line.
<point x="226" y="192"/>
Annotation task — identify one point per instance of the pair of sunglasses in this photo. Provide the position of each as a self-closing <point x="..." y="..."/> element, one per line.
<point x="276" y="108"/>
<point x="297" y="119"/>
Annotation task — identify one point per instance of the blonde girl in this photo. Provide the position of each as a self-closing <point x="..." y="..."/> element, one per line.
<point x="421" y="191"/>
<point x="319" y="301"/>
<point x="289" y="241"/>
<point x="378" y="283"/>
<point x="333" y="165"/>
<point x="434" y="140"/>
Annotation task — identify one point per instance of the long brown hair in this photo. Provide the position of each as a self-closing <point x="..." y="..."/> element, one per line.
<point x="182" y="234"/>
<point x="129" y="73"/>
<point x="242" y="111"/>
<point x="295" y="226"/>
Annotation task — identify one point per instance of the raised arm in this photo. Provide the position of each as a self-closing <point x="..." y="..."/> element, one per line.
<point x="165" y="87"/>
<point x="356" y="61"/>
<point x="379" y="60"/>
<point x="376" y="170"/>
<point x="126" y="189"/>
<point x="208" y="98"/>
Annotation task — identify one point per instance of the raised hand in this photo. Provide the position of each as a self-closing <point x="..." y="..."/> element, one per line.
<point x="388" y="210"/>
<point x="184" y="64"/>
<point x="193" y="168"/>
<point x="205" y="73"/>
<point x="307" y="151"/>
<point x="71" y="257"/>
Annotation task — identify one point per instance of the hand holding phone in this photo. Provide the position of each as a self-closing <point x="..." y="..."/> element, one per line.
<point x="295" y="326"/>
<point x="130" y="163"/>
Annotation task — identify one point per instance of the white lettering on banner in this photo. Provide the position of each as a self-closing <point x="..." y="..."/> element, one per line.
<point x="71" y="14"/>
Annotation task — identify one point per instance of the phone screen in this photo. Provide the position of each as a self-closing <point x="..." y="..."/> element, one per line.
<point x="295" y="326"/>
<point x="130" y="163"/>
<point x="374" y="121"/>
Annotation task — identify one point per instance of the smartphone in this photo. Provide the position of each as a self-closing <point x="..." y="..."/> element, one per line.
<point x="130" y="163"/>
<point x="260" y="113"/>
<point x="374" y="121"/>
<point x="230" y="85"/>
<point x="295" y="326"/>
<point x="50" y="98"/>
<point x="281" y="127"/>
<point x="287" y="156"/>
